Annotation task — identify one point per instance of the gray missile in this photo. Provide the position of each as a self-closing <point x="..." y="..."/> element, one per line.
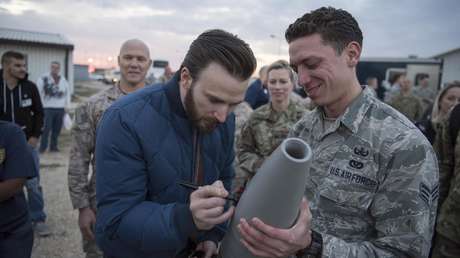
<point x="273" y="195"/>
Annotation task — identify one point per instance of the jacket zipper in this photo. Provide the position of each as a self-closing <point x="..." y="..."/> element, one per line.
<point x="195" y="157"/>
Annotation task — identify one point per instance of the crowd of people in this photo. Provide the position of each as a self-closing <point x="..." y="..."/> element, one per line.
<point x="384" y="179"/>
<point x="37" y="111"/>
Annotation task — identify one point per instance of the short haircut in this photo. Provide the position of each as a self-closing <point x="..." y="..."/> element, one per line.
<point x="337" y="28"/>
<point x="56" y="62"/>
<point x="7" y="56"/>
<point x="262" y="70"/>
<point x="423" y="76"/>
<point x="396" y="77"/>
<point x="223" y="48"/>
<point x="282" y="64"/>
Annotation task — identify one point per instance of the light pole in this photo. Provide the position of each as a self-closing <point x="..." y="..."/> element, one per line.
<point x="273" y="36"/>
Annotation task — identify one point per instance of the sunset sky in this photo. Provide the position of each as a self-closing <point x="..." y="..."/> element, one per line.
<point x="392" y="28"/>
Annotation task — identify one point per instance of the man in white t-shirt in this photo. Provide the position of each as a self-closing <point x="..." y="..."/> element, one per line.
<point x="55" y="94"/>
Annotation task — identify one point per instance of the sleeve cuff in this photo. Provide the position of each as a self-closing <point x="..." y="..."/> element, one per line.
<point x="80" y="204"/>
<point x="182" y="217"/>
<point x="214" y="235"/>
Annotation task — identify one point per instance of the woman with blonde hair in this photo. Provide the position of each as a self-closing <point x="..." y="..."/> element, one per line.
<point x="269" y="125"/>
<point x="446" y="99"/>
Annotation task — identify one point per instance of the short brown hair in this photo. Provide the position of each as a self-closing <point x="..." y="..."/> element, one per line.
<point x="221" y="47"/>
<point x="337" y="27"/>
<point x="8" y="55"/>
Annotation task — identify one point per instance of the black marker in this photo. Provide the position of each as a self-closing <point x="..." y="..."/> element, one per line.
<point x="193" y="186"/>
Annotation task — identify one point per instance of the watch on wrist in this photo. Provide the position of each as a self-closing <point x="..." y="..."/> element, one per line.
<point x="315" y="249"/>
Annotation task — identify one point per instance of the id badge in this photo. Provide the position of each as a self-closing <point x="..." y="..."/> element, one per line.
<point x="26" y="103"/>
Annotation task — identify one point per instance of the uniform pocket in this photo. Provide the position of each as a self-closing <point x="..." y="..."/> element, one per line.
<point x="346" y="198"/>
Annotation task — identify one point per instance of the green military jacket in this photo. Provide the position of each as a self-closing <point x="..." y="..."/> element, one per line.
<point x="263" y="132"/>
<point x="449" y="176"/>
<point x="409" y="105"/>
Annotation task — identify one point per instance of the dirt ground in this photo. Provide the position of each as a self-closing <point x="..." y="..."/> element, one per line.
<point x="65" y="242"/>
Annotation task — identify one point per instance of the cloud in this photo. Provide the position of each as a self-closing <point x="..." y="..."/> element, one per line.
<point x="97" y="28"/>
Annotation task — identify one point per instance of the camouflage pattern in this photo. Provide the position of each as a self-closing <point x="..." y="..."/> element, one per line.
<point x="83" y="192"/>
<point x="306" y="102"/>
<point x="87" y="116"/>
<point x="447" y="240"/>
<point x="445" y="153"/>
<point x="242" y="113"/>
<point x="372" y="185"/>
<point x="427" y="95"/>
<point x="408" y="105"/>
<point x="91" y="249"/>
<point x="263" y="133"/>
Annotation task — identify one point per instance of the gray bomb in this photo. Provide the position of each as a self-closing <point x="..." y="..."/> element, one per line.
<point x="273" y="194"/>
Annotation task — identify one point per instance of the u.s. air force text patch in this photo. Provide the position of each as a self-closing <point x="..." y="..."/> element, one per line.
<point x="352" y="177"/>
<point x="427" y="194"/>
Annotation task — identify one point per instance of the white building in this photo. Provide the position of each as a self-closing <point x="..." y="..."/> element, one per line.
<point x="40" y="49"/>
<point x="451" y="65"/>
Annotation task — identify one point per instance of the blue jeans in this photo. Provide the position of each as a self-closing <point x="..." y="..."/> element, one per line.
<point x="53" y="125"/>
<point x="35" y="194"/>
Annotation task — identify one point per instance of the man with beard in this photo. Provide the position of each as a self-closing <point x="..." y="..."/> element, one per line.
<point x="134" y="61"/>
<point x="20" y="103"/>
<point x="150" y="141"/>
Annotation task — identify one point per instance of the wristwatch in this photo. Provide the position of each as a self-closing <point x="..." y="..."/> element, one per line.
<point x="315" y="249"/>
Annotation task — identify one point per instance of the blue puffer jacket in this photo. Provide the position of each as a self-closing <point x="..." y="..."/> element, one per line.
<point x="144" y="147"/>
<point x="257" y="95"/>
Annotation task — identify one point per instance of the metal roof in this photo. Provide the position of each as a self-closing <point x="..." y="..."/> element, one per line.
<point x="447" y="52"/>
<point x="41" y="38"/>
<point x="401" y="60"/>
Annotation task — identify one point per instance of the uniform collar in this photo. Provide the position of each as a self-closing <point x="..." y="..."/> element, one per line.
<point x="356" y="111"/>
<point x="115" y="92"/>
<point x="274" y="115"/>
<point x="351" y="118"/>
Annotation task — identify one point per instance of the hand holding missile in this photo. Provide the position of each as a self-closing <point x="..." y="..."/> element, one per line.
<point x="267" y="241"/>
<point x="207" y="206"/>
<point x="273" y="196"/>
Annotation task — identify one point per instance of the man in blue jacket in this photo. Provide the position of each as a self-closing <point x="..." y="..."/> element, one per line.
<point x="155" y="138"/>
<point x="257" y="93"/>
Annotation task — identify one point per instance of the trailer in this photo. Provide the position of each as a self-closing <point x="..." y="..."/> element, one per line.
<point x="385" y="68"/>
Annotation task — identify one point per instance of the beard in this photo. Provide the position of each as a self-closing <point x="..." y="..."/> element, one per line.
<point x="204" y="124"/>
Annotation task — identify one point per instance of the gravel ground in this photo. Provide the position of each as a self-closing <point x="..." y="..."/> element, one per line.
<point x="65" y="242"/>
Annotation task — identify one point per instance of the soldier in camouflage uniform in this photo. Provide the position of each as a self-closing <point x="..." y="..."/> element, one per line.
<point x="372" y="186"/>
<point x="424" y="92"/>
<point x="242" y="113"/>
<point x="407" y="103"/>
<point x="134" y="61"/>
<point x="269" y="125"/>
<point x="447" y="239"/>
